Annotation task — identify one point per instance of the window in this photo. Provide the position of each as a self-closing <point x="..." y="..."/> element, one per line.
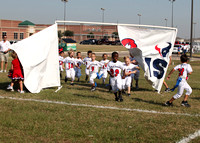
<point x="21" y="35"/>
<point x="15" y="35"/>
<point x="4" y="34"/>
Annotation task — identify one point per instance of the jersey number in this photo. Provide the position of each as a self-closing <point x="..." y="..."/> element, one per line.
<point x="70" y="65"/>
<point x="115" y="73"/>
<point x="181" y="71"/>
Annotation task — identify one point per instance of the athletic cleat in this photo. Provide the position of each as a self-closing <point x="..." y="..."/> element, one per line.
<point x="116" y="99"/>
<point x="71" y="83"/>
<point x="168" y="104"/>
<point x="1" y="71"/>
<point x="129" y="94"/>
<point x="93" y="88"/>
<point x="4" y="70"/>
<point x="121" y="100"/>
<point x="167" y="90"/>
<point x="10" y="88"/>
<point x="137" y="87"/>
<point x="123" y="92"/>
<point x="185" y="103"/>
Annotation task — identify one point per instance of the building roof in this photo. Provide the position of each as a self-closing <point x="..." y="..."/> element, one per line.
<point x="26" y="23"/>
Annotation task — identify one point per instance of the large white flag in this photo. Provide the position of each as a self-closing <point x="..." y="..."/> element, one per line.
<point x="152" y="48"/>
<point x="38" y="55"/>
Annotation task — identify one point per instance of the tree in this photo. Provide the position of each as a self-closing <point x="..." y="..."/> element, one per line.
<point x="90" y="35"/>
<point x="115" y="35"/>
<point x="68" y="33"/>
<point x="60" y="34"/>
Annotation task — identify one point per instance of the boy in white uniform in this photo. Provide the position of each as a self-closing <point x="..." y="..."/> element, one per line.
<point x="86" y="60"/>
<point x="93" y="68"/>
<point x="137" y="74"/>
<point x="128" y="70"/>
<point x="114" y="69"/>
<point x="69" y="67"/>
<point x="61" y="58"/>
<point x="184" y="70"/>
<point x="79" y="62"/>
<point x="103" y="72"/>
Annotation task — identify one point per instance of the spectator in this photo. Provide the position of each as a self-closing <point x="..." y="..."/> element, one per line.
<point x="4" y="48"/>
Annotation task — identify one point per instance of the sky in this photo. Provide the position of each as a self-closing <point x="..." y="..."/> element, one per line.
<point x="154" y="12"/>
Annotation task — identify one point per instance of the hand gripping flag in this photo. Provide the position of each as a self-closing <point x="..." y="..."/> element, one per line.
<point x="38" y="55"/>
<point x="152" y="48"/>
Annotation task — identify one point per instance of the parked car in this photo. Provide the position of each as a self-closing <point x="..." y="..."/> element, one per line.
<point x="89" y="42"/>
<point x="175" y="49"/>
<point x="105" y="42"/>
<point x="12" y="42"/>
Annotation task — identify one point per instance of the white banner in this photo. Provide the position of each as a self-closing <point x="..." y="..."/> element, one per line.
<point x="38" y="55"/>
<point x="152" y="48"/>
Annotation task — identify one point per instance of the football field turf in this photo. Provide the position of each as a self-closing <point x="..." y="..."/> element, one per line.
<point x="75" y="114"/>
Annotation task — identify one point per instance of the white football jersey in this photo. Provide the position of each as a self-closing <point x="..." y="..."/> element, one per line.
<point x="79" y="62"/>
<point x="115" y="68"/>
<point x="61" y="60"/>
<point x="86" y="60"/>
<point x="94" y="66"/>
<point x="183" y="69"/>
<point x="129" y="68"/>
<point x="69" y="63"/>
<point x="104" y="67"/>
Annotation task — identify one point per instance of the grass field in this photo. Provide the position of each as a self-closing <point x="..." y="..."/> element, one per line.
<point x="100" y="48"/>
<point x="31" y="121"/>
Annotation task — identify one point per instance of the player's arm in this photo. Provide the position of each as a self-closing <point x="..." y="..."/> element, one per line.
<point x="169" y="75"/>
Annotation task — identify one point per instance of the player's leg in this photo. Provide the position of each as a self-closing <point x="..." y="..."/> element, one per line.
<point x="123" y="85"/>
<point x="87" y="74"/>
<point x="79" y="74"/>
<point x="6" y="62"/>
<point x="177" y="95"/>
<point x="11" y="85"/>
<point x="68" y="75"/>
<point x="136" y="77"/>
<point x="128" y="85"/>
<point x="119" y="87"/>
<point x="166" y="87"/>
<point x="2" y="61"/>
<point x="113" y="84"/>
<point x="72" y="72"/>
<point x="21" y="86"/>
<point x="187" y="94"/>
<point x="92" y="77"/>
<point x="105" y="74"/>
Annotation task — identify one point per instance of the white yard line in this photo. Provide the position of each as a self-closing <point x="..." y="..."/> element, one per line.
<point x="101" y="107"/>
<point x="190" y="137"/>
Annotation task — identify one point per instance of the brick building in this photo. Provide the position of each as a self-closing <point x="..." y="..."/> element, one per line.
<point x="18" y="30"/>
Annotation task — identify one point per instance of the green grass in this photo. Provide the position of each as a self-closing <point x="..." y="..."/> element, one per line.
<point x="100" y="48"/>
<point x="26" y="121"/>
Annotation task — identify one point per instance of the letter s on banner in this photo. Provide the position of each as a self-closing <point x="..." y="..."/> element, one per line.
<point x="156" y="66"/>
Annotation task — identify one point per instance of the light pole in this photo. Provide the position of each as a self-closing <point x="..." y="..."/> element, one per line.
<point x="194" y="28"/>
<point x="191" y="30"/>
<point x="139" y="15"/>
<point x="65" y="2"/>
<point x="172" y="11"/>
<point x="103" y="9"/>
<point x="166" y="22"/>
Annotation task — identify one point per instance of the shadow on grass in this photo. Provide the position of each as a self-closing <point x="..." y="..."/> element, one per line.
<point x="93" y="97"/>
<point x="146" y="101"/>
<point x="196" y="98"/>
<point x="142" y="89"/>
<point x="4" y="85"/>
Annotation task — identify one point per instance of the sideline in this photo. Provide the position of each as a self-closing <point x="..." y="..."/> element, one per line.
<point x="101" y="107"/>
<point x="190" y="137"/>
